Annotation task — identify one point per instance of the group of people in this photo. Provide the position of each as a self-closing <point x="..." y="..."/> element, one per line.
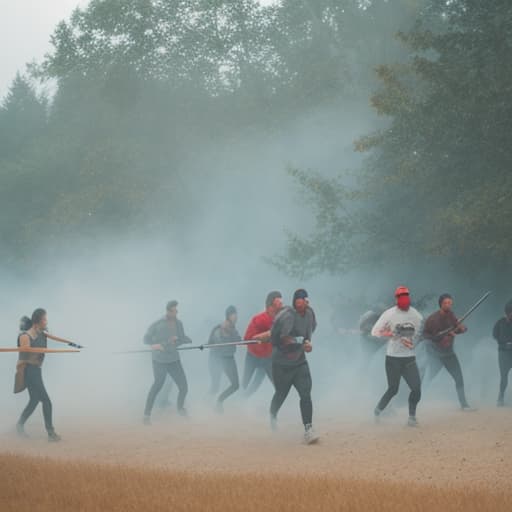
<point x="278" y="340"/>
<point x="404" y="327"/>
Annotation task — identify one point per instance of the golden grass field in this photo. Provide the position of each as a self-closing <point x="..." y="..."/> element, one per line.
<point x="455" y="461"/>
<point x="42" y="485"/>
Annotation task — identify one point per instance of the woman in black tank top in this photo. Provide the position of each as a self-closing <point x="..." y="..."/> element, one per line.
<point x="34" y="335"/>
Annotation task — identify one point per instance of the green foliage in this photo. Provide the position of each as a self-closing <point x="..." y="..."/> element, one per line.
<point x="437" y="182"/>
<point x="141" y="85"/>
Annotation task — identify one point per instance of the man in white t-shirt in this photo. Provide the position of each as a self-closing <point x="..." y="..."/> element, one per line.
<point x="401" y="324"/>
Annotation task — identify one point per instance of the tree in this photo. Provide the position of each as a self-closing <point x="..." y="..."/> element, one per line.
<point x="22" y="117"/>
<point x="436" y="182"/>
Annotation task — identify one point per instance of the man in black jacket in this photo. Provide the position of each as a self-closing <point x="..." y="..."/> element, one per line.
<point x="502" y="333"/>
<point x="164" y="337"/>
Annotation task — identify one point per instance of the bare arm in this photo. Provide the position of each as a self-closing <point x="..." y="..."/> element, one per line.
<point x="24" y="341"/>
<point x="62" y="340"/>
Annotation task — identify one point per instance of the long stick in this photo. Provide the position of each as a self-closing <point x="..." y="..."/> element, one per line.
<point x="39" y="350"/>
<point x="472" y="308"/>
<point x="197" y="347"/>
<point x="219" y="345"/>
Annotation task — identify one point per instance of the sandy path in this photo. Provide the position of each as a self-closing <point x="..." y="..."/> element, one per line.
<point x="450" y="446"/>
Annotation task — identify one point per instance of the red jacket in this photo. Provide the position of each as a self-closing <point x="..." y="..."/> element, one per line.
<point x="259" y="323"/>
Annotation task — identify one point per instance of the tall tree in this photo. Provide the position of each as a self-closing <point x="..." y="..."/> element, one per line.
<point x="436" y="182"/>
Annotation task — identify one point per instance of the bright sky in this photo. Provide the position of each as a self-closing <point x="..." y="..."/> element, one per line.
<point x="25" y="29"/>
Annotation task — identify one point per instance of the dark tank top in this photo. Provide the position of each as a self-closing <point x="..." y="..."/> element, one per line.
<point x="39" y="342"/>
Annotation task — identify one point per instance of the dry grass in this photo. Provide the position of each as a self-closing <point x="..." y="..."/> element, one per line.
<point x="42" y="485"/>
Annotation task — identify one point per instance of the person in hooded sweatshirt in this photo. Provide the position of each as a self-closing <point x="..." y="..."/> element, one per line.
<point x="291" y="338"/>
<point x="401" y="325"/>
<point x="502" y="333"/>
<point x="440" y="352"/>
<point x="222" y="359"/>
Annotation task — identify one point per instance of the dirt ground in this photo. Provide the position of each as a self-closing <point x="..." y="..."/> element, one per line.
<point x="449" y="448"/>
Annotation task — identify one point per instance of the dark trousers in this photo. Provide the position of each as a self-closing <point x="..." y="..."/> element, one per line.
<point x="396" y="368"/>
<point x="505" y="362"/>
<point x="299" y="377"/>
<point x="160" y="371"/>
<point x="258" y="365"/>
<point x="37" y="393"/>
<point x="227" y="365"/>
<point x="451" y="363"/>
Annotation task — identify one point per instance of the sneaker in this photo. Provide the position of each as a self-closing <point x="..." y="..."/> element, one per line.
<point x="273" y="424"/>
<point x="20" y="430"/>
<point x="500" y="402"/>
<point x="219" y="408"/>
<point x="468" y="408"/>
<point x="147" y="420"/>
<point x="183" y="412"/>
<point x="53" y="437"/>
<point x="376" y="415"/>
<point x="412" y="421"/>
<point x="310" y="436"/>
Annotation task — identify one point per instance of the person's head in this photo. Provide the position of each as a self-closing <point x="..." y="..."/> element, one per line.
<point x="300" y="300"/>
<point x="172" y="310"/>
<point x="445" y="302"/>
<point x="39" y="319"/>
<point x="274" y="302"/>
<point x="403" y="298"/>
<point x="231" y="315"/>
<point x="508" y="311"/>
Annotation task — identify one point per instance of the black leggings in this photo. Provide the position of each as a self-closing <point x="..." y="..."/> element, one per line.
<point x="258" y="365"/>
<point x="160" y="371"/>
<point x="300" y="378"/>
<point x="37" y="393"/>
<point x="219" y="365"/>
<point x="505" y="362"/>
<point x="452" y="365"/>
<point x="406" y="367"/>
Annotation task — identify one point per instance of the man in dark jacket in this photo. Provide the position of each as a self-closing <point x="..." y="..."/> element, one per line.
<point x="289" y="364"/>
<point x="502" y="333"/>
<point x="164" y="337"/>
<point x="440" y="346"/>
<point x="222" y="359"/>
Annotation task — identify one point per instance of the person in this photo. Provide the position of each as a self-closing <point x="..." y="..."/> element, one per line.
<point x="258" y="360"/>
<point x="29" y="369"/>
<point x="440" y="351"/>
<point x="502" y="333"/>
<point x="165" y="336"/>
<point x="222" y="359"/>
<point x="401" y="324"/>
<point x="289" y="363"/>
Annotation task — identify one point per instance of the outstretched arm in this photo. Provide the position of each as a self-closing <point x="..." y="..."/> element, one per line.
<point x="62" y="340"/>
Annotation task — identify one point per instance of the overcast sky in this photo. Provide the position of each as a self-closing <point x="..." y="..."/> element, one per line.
<point x="25" y="29"/>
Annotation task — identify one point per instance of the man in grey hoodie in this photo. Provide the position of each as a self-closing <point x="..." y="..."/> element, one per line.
<point x="165" y="336"/>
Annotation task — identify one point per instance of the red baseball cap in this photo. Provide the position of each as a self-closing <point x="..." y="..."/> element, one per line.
<point x="402" y="290"/>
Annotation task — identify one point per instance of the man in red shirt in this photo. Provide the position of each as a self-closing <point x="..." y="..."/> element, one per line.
<point x="259" y="357"/>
